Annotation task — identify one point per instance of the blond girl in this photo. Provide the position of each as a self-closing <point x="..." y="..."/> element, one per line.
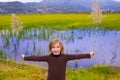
<point x="57" y="60"/>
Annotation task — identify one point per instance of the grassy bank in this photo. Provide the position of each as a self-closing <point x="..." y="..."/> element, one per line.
<point x="61" y="21"/>
<point x="96" y="72"/>
<point x="10" y="70"/>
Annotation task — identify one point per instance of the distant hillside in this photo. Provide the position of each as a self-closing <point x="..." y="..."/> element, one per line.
<point x="82" y="5"/>
<point x="14" y="7"/>
<point x="52" y="6"/>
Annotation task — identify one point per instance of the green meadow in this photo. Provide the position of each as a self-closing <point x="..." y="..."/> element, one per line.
<point x="11" y="70"/>
<point x="61" y="21"/>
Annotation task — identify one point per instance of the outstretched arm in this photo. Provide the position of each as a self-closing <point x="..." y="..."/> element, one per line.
<point x="34" y="58"/>
<point x="79" y="56"/>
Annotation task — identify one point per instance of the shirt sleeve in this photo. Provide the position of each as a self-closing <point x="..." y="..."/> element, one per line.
<point x="76" y="56"/>
<point x="36" y="58"/>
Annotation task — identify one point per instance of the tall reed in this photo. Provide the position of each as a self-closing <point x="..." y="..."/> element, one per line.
<point x="16" y="26"/>
<point x="96" y="13"/>
<point x="97" y="17"/>
<point x="16" y="23"/>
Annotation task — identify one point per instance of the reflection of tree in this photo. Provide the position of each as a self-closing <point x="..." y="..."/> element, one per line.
<point x="6" y="44"/>
<point x="16" y="47"/>
<point x="2" y="54"/>
<point x="9" y="38"/>
<point x="114" y="53"/>
<point x="34" y="48"/>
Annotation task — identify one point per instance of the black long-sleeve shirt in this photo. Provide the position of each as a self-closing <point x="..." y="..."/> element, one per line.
<point x="56" y="64"/>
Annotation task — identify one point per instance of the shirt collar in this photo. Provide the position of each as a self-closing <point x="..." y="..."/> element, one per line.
<point x="55" y="55"/>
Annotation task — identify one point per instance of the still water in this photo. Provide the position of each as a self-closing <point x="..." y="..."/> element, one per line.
<point x="106" y="44"/>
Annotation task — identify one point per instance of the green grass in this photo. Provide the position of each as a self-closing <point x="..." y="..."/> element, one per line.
<point x="96" y="72"/>
<point x="61" y="21"/>
<point x="11" y="70"/>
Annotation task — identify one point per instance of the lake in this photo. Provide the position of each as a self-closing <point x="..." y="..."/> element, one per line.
<point x="106" y="44"/>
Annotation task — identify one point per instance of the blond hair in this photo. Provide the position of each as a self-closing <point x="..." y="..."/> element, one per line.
<point x="53" y="42"/>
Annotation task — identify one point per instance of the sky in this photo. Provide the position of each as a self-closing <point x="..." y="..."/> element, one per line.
<point x="117" y="0"/>
<point x="31" y="0"/>
<point x="21" y="0"/>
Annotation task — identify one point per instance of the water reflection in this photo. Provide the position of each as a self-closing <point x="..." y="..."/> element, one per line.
<point x="35" y="42"/>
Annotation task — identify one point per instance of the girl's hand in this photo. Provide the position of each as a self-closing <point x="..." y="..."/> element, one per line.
<point x="92" y="53"/>
<point x="22" y="55"/>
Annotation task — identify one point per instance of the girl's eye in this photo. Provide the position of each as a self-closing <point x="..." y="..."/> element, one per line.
<point x="53" y="47"/>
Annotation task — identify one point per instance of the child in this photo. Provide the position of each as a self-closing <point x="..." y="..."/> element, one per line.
<point x="57" y="60"/>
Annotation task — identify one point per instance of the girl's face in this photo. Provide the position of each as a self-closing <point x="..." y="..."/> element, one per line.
<point x="56" y="49"/>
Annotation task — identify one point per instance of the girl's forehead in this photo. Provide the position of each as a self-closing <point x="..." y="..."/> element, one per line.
<point x="57" y="43"/>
